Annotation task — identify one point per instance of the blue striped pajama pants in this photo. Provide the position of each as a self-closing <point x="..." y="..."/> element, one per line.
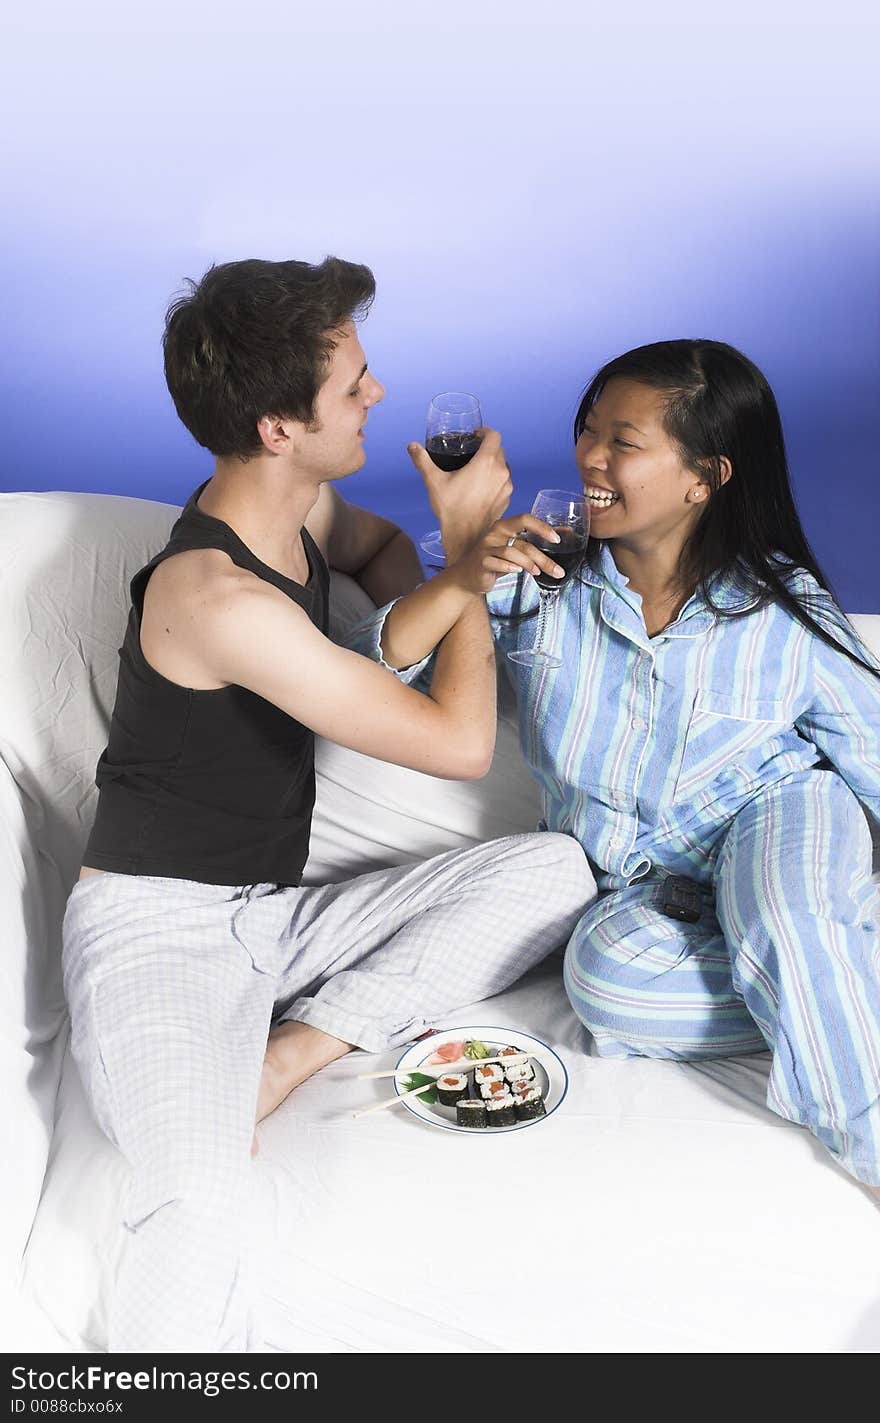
<point x="786" y="957"/>
<point x="172" y="986"/>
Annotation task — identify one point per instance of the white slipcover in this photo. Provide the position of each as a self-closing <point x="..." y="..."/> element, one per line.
<point x="667" y="1209"/>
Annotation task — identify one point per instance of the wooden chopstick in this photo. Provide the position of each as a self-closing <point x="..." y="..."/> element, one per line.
<point x="463" y="1062"/>
<point x="392" y="1101"/>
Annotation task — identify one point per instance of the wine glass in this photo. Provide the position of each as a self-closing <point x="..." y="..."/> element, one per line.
<point x="569" y="515"/>
<point x="451" y="439"/>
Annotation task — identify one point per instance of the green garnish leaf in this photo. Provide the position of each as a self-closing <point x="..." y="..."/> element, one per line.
<point x="419" y="1079"/>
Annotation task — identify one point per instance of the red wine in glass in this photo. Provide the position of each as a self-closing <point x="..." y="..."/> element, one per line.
<point x="568" y="553"/>
<point x="452" y="451"/>
<point x="569" y="515"/>
<point x="452" y="438"/>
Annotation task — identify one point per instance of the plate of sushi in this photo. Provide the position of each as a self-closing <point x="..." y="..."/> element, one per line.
<point x="481" y="1079"/>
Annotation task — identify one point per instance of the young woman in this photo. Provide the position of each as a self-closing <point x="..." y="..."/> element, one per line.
<point x="715" y="717"/>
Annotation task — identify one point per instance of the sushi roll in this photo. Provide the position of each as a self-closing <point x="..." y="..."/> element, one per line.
<point x="470" y="1113"/>
<point x="494" y="1089"/>
<point x="451" y="1088"/>
<point x="493" y="1073"/>
<point x="510" y="1051"/>
<point x="522" y="1089"/>
<point x="501" y="1110"/>
<point x="520" y="1072"/>
<point x="529" y="1105"/>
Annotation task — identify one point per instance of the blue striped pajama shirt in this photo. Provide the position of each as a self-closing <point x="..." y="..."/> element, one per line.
<point x="738" y="751"/>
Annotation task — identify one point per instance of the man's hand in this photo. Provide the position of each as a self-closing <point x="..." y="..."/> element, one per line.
<point x="466" y="502"/>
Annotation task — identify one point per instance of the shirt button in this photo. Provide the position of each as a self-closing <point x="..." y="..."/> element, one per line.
<point x="638" y="724"/>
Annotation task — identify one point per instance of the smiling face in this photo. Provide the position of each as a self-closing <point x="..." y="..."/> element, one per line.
<point x="636" y="483"/>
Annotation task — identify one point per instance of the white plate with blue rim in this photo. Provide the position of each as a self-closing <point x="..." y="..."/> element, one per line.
<point x="550" y="1074"/>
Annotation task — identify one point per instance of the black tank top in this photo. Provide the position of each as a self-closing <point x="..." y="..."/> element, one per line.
<point x="216" y="786"/>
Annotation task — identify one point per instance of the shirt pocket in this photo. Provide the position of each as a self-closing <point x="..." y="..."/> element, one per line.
<point x="729" y="732"/>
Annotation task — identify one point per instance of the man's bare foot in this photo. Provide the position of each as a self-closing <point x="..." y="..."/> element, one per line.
<point x="294" y="1051"/>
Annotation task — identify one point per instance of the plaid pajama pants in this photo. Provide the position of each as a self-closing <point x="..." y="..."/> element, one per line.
<point x="172" y="986"/>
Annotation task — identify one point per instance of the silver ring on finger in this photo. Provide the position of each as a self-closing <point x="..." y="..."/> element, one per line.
<point x="512" y="540"/>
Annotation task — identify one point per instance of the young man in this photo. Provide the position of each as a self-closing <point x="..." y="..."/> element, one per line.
<point x="188" y="934"/>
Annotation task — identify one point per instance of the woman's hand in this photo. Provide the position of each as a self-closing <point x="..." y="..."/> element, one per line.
<point x="468" y="501"/>
<point x="418" y="623"/>
<point x="494" y="554"/>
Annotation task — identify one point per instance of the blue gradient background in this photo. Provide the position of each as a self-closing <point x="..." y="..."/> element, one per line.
<point x="534" y="195"/>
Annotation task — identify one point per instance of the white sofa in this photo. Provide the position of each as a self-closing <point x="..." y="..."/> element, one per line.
<point x="662" y="1207"/>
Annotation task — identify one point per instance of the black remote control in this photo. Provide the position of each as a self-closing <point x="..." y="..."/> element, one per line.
<point x="681" y="899"/>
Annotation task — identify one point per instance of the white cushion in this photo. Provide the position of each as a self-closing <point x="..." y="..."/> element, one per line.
<point x="65" y="562"/>
<point x="369" y="814"/>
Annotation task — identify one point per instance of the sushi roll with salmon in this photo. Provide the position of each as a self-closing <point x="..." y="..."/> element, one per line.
<point x="501" y="1110"/>
<point x="471" y="1113"/>
<point x="520" y="1072"/>
<point x="451" y="1088"/>
<point x="528" y="1105"/>
<point x="521" y="1089"/>
<point x="488" y="1090"/>
<point x="494" y="1072"/>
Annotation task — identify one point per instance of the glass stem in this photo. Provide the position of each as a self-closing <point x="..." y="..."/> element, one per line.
<point x="546" y="597"/>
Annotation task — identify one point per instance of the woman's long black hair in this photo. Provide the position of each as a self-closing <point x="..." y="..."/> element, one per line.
<point x="719" y="404"/>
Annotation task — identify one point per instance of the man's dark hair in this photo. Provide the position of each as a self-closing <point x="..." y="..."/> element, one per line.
<point x="254" y="338"/>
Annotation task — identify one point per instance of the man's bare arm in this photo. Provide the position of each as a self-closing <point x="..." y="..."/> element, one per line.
<point x="373" y="550"/>
<point x="394" y="570"/>
<point x="251" y="635"/>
